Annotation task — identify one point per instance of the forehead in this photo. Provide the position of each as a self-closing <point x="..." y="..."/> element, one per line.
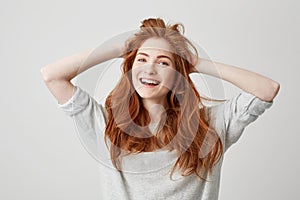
<point x="157" y="45"/>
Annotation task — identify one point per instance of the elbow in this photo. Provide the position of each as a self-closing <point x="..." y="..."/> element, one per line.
<point x="44" y="74"/>
<point x="48" y="75"/>
<point x="273" y="90"/>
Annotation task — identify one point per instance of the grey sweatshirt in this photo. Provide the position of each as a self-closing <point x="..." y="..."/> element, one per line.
<point x="146" y="175"/>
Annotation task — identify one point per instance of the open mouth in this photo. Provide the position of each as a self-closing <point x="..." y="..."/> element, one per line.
<point x="149" y="82"/>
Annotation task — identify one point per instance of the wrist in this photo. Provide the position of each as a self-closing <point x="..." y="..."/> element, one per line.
<point x="195" y="63"/>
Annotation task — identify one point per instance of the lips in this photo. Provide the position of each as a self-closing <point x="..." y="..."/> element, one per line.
<point x="149" y="81"/>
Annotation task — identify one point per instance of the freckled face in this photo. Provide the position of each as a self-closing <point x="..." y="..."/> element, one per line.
<point x="153" y="70"/>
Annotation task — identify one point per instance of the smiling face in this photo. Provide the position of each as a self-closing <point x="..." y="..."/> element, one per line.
<point x="153" y="71"/>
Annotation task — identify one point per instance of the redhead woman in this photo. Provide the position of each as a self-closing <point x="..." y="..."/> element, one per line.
<point x="161" y="140"/>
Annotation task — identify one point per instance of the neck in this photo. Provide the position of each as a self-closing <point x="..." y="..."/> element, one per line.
<point x="155" y="109"/>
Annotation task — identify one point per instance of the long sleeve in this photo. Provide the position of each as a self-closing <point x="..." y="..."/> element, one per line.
<point x="89" y="117"/>
<point x="239" y="112"/>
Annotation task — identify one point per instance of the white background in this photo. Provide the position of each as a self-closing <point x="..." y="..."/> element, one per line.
<point x="41" y="155"/>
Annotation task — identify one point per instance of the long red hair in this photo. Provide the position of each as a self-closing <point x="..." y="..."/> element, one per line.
<point x="186" y="128"/>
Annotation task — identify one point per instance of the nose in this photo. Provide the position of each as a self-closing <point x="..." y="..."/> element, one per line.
<point x="150" y="68"/>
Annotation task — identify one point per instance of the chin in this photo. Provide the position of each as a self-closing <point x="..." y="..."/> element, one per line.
<point x="146" y="96"/>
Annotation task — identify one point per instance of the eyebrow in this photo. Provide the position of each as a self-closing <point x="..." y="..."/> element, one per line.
<point x="160" y="56"/>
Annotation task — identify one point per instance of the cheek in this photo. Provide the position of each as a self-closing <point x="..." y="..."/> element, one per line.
<point x="169" y="79"/>
<point x="134" y="72"/>
<point x="134" y="75"/>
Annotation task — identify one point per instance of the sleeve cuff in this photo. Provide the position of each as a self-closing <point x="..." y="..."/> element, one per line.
<point x="256" y="106"/>
<point x="76" y="103"/>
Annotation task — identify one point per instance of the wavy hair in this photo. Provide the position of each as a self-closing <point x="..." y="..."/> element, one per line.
<point x="186" y="128"/>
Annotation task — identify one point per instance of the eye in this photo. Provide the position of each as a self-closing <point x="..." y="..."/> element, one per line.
<point x="141" y="60"/>
<point x="164" y="63"/>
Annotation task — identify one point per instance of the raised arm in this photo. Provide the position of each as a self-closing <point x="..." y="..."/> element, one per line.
<point x="262" y="87"/>
<point x="58" y="75"/>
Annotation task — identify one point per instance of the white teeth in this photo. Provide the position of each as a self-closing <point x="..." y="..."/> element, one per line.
<point x="150" y="81"/>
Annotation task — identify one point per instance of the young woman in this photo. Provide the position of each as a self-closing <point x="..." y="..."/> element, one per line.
<point x="154" y="124"/>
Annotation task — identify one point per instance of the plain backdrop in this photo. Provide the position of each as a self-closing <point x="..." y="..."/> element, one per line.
<point x="41" y="154"/>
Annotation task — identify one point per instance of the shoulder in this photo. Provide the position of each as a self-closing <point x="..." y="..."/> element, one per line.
<point x="234" y="114"/>
<point x="84" y="106"/>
